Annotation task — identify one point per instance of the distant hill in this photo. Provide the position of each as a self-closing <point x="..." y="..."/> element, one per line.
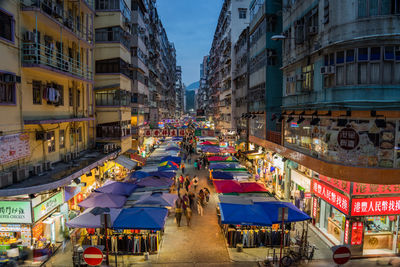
<point x="193" y="86"/>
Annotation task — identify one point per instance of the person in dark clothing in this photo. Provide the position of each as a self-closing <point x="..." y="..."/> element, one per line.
<point x="178" y="211"/>
<point x="187" y="183"/>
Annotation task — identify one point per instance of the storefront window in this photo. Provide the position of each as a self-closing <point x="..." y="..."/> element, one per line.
<point x="332" y="221"/>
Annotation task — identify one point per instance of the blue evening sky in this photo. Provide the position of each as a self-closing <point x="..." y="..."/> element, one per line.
<point x="190" y="25"/>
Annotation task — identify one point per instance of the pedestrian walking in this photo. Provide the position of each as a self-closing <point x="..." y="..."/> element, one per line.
<point x="195" y="165"/>
<point x="206" y="194"/>
<point x="195" y="182"/>
<point x="200" y="202"/>
<point x="187" y="183"/>
<point x="178" y="211"/>
<point x="188" y="214"/>
<point x="183" y="168"/>
<point x="191" y="200"/>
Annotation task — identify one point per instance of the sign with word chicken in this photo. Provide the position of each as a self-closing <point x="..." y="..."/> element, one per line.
<point x="14" y="147"/>
<point x="338" y="200"/>
<point x="375" y="206"/>
<point x="375" y="189"/>
<point x="15" y="212"/>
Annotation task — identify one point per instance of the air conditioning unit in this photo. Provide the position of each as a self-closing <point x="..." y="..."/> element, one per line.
<point x="106" y="149"/>
<point x="327" y="70"/>
<point x="6" y="179"/>
<point x="20" y="174"/>
<point x="29" y="36"/>
<point x="47" y="166"/>
<point x="332" y="69"/>
<point x="299" y="77"/>
<point x="312" y="30"/>
<point x="67" y="158"/>
<point x="37" y="169"/>
<point x="9" y="78"/>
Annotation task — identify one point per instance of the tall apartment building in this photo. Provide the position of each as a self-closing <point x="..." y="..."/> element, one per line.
<point x="178" y="93"/>
<point x="202" y="95"/>
<point x="265" y="76"/>
<point x="233" y="18"/>
<point x="340" y="119"/>
<point x="114" y="72"/>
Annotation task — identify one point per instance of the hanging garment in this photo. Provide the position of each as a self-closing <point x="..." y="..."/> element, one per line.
<point x="114" y="244"/>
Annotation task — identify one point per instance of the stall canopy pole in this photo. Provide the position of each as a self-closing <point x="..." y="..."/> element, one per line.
<point x="282" y="234"/>
<point x="105" y="228"/>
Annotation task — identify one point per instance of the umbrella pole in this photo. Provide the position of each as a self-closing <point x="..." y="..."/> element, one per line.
<point x="105" y="228"/>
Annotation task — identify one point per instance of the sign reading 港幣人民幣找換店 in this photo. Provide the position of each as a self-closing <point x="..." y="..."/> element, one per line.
<point x="15" y="212"/>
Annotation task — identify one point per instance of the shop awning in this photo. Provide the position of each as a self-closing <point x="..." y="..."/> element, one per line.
<point x="126" y="162"/>
<point x="103" y="200"/>
<point x="139" y="174"/>
<point x="242" y="214"/>
<point x="253" y="187"/>
<point x="154" y="182"/>
<point x="146" y="218"/>
<point x="172" y="158"/>
<point x="168" y="174"/>
<point x="222" y="175"/>
<point x="118" y="188"/>
<point x="89" y="220"/>
<point x="224" y="165"/>
<point x="232" y="186"/>
<point x="138" y="158"/>
<point x="243" y="199"/>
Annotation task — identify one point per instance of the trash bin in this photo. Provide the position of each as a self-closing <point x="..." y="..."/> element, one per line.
<point x="239" y="247"/>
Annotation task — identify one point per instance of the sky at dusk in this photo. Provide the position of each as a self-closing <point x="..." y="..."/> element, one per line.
<point x="190" y="25"/>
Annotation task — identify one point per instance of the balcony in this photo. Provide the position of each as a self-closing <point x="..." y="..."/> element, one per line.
<point x="56" y="13"/>
<point x="38" y="55"/>
<point x="117" y="130"/>
<point x="113" y="98"/>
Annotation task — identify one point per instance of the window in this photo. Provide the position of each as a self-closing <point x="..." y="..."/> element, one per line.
<point x="6" y="26"/>
<point x="80" y="134"/>
<point x="7" y="89"/>
<point x="242" y="13"/>
<point x="51" y="142"/>
<point x="62" y="138"/>
<point x="326" y="11"/>
<point x="37" y="92"/>
<point x="368" y="8"/>
<point x="308" y="78"/>
<point x="70" y="97"/>
<point x="78" y="98"/>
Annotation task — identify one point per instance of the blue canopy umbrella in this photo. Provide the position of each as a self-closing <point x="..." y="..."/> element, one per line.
<point x="88" y="219"/>
<point x="118" y="188"/>
<point x="139" y="174"/>
<point x="157" y="199"/>
<point x="272" y="209"/>
<point x="148" y="218"/>
<point x="242" y="214"/>
<point x="166" y="174"/>
<point x="172" y="148"/>
<point x="172" y="158"/>
<point x="154" y="182"/>
<point x="222" y="175"/>
<point x="103" y="200"/>
<point x="167" y="168"/>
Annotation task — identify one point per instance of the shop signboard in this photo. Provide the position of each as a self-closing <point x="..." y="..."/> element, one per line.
<point x="346" y="232"/>
<point x="47" y="206"/>
<point x="315" y="207"/>
<point x="356" y="233"/>
<point x="147" y="133"/>
<point x="375" y="189"/>
<point x="181" y="132"/>
<point x="338" y="200"/>
<point x="301" y="180"/>
<point x="14" y="147"/>
<point x="339" y="184"/>
<point x="165" y="132"/>
<point x="15" y="212"/>
<point x="210" y="133"/>
<point x="375" y="206"/>
<point x="156" y="132"/>
<point x="173" y="132"/>
<point x="348" y="138"/>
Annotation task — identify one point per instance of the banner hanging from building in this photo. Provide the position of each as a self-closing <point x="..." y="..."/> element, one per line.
<point x="336" y="199"/>
<point x="375" y="206"/>
<point x="14" y="147"/>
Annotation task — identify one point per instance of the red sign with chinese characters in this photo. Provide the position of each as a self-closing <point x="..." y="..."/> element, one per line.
<point x="371" y="189"/>
<point x="147" y="133"/>
<point x="348" y="138"/>
<point x="315" y="208"/>
<point x="339" y="184"/>
<point x="338" y="200"/>
<point x="346" y="232"/>
<point x="375" y="206"/>
<point x="356" y="233"/>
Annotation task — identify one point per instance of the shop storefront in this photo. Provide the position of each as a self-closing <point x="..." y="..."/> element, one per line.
<point x="15" y="224"/>
<point x="363" y="216"/>
<point x="300" y="189"/>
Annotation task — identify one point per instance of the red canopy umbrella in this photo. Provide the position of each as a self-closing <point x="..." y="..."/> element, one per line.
<point x="248" y="187"/>
<point x="227" y="186"/>
<point x="216" y="158"/>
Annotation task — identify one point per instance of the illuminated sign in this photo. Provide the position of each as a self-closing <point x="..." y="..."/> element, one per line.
<point x="371" y="189"/>
<point x="356" y="233"/>
<point x="338" y="200"/>
<point x="346" y="232"/>
<point x="45" y="207"/>
<point x="375" y="206"/>
<point x="15" y="212"/>
<point x="339" y="184"/>
<point x="315" y="208"/>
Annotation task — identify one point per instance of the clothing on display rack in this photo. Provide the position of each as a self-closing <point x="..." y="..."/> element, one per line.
<point x="255" y="237"/>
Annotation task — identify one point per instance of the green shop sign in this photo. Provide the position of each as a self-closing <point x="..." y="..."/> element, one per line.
<point x="15" y="212"/>
<point x="47" y="206"/>
<point x="197" y="132"/>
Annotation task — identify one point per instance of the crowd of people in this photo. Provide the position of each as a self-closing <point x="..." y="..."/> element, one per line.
<point x="189" y="197"/>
